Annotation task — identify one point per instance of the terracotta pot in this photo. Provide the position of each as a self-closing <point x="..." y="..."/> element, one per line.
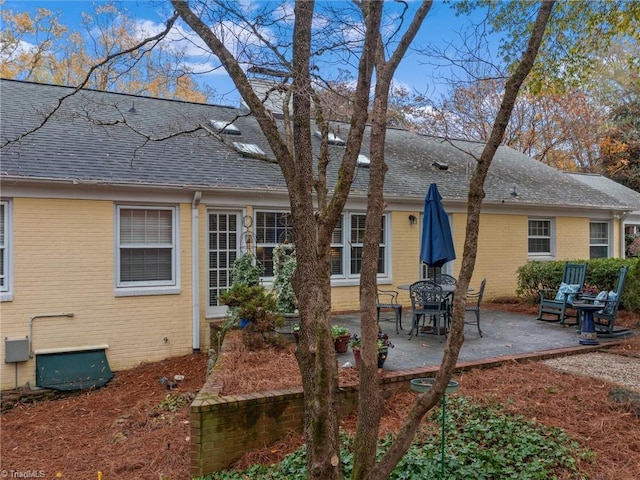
<point x="342" y="343"/>
<point x="382" y="356"/>
<point x="356" y="356"/>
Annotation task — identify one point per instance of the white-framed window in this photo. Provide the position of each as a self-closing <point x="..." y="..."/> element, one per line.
<point x="271" y="228"/>
<point x="146" y="247"/>
<point x="5" y="251"/>
<point x="540" y="237"/>
<point x="598" y="239"/>
<point x="347" y="244"/>
<point x="223" y="247"/>
<point x="337" y="250"/>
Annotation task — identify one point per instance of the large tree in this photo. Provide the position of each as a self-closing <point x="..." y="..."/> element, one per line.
<point x="296" y="58"/>
<point x="293" y="44"/>
<point x="40" y="48"/>
<point x="561" y="130"/>
<point x="621" y="146"/>
<point x="587" y="66"/>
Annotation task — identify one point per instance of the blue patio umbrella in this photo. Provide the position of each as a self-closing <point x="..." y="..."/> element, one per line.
<point x="436" y="246"/>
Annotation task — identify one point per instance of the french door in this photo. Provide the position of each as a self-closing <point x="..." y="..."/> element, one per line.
<point x="223" y="247"/>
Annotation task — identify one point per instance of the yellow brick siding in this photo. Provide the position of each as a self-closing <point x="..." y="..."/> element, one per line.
<point x="64" y="262"/>
<point x="572" y="238"/>
<point x="502" y="248"/>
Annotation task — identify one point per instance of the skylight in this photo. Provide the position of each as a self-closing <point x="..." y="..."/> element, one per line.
<point x="221" y="126"/>
<point x="363" y="160"/>
<point x="249" y="148"/>
<point x="332" y="138"/>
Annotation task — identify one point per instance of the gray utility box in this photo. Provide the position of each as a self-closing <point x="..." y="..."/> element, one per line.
<point x="16" y="349"/>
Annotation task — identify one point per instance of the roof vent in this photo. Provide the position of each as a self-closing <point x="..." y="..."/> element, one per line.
<point x="225" y="127"/>
<point x="440" y="165"/>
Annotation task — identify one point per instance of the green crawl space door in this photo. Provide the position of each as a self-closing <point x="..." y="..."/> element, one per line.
<point x="73" y="370"/>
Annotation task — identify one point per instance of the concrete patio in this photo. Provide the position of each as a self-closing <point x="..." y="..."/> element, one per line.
<point x="506" y="335"/>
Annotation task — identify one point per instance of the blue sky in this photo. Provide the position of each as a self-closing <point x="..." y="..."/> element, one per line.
<point x="440" y="27"/>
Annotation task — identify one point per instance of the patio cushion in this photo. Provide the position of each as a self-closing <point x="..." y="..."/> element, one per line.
<point x="611" y="302"/>
<point x="572" y="289"/>
<point x="601" y="298"/>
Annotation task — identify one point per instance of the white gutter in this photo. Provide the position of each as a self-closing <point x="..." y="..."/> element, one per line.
<point x="195" y="270"/>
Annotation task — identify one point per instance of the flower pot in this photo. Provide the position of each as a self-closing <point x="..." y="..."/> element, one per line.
<point x="356" y="357"/>
<point x="382" y="356"/>
<point x="342" y="343"/>
<point x="424" y="384"/>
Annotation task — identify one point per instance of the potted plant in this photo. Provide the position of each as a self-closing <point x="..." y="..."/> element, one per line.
<point x="341" y="337"/>
<point x="383" y="343"/>
<point x="251" y="306"/>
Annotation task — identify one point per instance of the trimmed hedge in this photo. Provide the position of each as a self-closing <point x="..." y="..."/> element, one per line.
<point x="602" y="274"/>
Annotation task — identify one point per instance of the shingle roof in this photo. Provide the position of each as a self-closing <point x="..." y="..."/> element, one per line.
<point x="614" y="189"/>
<point x="73" y="146"/>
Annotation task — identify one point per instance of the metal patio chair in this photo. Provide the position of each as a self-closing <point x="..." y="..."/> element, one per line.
<point x="388" y="300"/>
<point x="428" y="300"/>
<point x="474" y="300"/>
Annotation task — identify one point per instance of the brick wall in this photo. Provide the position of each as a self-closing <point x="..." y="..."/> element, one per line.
<point x="63" y="261"/>
<point x="224" y="428"/>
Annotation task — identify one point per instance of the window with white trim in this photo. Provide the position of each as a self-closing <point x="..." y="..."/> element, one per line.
<point x="146" y="246"/>
<point x="599" y="239"/>
<point x="223" y="247"/>
<point x="337" y="250"/>
<point x="271" y="228"/>
<point x="539" y="237"/>
<point x="5" y="251"/>
<point x="353" y="235"/>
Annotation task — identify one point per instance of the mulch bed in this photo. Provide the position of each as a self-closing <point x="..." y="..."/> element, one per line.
<point x="137" y="428"/>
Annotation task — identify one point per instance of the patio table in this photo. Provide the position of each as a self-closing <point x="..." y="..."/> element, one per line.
<point x="446" y="288"/>
<point x="588" y="335"/>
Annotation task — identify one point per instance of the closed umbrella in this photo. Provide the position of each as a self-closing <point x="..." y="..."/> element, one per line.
<point x="436" y="246"/>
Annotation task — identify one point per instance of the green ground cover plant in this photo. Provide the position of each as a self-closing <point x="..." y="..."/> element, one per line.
<point x="480" y="442"/>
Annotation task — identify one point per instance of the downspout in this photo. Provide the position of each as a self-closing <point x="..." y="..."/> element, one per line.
<point x="195" y="270"/>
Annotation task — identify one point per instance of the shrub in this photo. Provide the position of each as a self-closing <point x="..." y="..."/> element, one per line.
<point x="631" y="293"/>
<point x="246" y="269"/>
<point x="284" y="265"/>
<point x="602" y="274"/>
<point x="253" y="303"/>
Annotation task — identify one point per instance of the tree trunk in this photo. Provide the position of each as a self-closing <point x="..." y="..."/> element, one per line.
<point x="455" y="338"/>
<point x="370" y="401"/>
